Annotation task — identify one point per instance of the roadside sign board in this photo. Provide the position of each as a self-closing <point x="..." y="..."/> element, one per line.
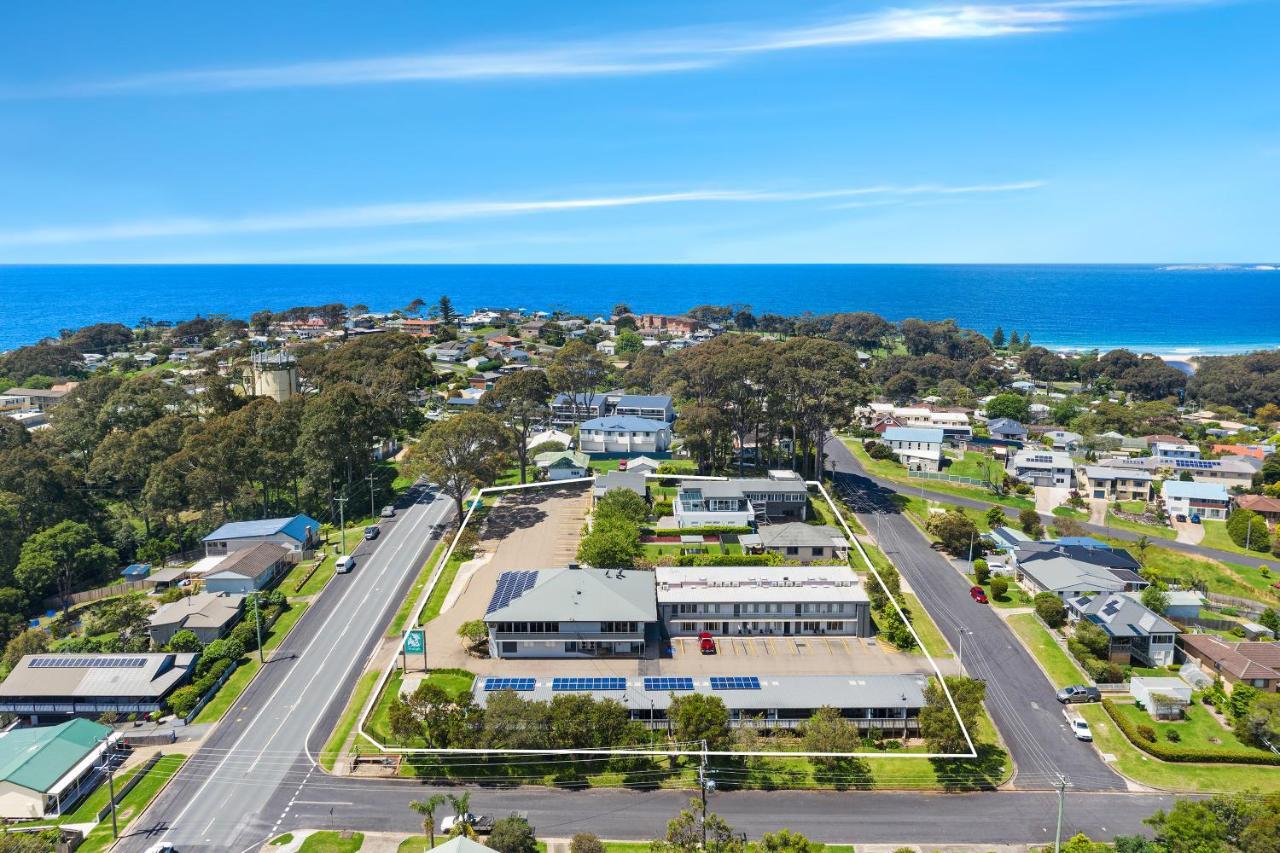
<point x="415" y="642"/>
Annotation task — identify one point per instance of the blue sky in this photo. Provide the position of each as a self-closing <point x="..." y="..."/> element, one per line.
<point x="1054" y="131"/>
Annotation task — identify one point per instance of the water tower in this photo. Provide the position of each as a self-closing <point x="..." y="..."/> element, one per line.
<point x="272" y="374"/>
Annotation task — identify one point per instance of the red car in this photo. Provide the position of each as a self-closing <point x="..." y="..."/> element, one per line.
<point x="706" y="644"/>
<point x="977" y="594"/>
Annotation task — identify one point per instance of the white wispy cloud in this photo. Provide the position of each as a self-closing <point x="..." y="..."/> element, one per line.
<point x="426" y="212"/>
<point x="652" y="53"/>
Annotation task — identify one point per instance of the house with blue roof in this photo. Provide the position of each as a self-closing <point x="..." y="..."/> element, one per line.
<point x="624" y="434"/>
<point x="298" y="533"/>
<point x="1205" y="500"/>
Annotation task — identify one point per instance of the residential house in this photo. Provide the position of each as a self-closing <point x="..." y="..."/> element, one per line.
<point x="207" y="615"/>
<point x="1169" y="450"/>
<point x="1246" y="662"/>
<point x="741" y="502"/>
<point x="888" y="704"/>
<point x="881" y="416"/>
<point x="1231" y="471"/>
<point x="450" y="352"/>
<point x="918" y="448"/>
<point x="558" y="436"/>
<point x="797" y="542"/>
<point x="656" y="407"/>
<point x="633" y="481"/>
<point x="609" y="348"/>
<point x="419" y="327"/>
<point x="1063" y="440"/>
<point x="563" y="464"/>
<point x="46" y="770"/>
<point x="1069" y="571"/>
<point x="1206" y="500"/>
<point x="573" y="613"/>
<point x="1007" y="429"/>
<point x="680" y="326"/>
<point x="1043" y="468"/>
<point x="1039" y="412"/>
<point x="20" y="399"/>
<point x="1117" y="484"/>
<point x="762" y="600"/>
<point x="298" y="533"/>
<point x="645" y="464"/>
<point x="1138" y="635"/>
<point x="624" y="434"/>
<point x="249" y="569"/>
<point x="59" y="685"/>
<point x="1263" y="505"/>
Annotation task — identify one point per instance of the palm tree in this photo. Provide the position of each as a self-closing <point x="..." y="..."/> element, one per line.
<point x="461" y="804"/>
<point x="427" y="808"/>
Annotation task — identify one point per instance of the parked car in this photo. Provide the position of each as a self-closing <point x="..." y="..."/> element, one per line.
<point x="706" y="643"/>
<point x="978" y="594"/>
<point x="1080" y="729"/>
<point x="480" y="823"/>
<point x="371" y="532"/>
<point x="1180" y="518"/>
<point x="1079" y="693"/>
<point x="388" y="511"/>
<point x="1195" y="519"/>
<point x="344" y="564"/>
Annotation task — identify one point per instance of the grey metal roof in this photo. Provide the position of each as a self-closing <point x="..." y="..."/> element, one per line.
<point x="797" y="534"/>
<point x="922" y="434"/>
<point x="584" y="595"/>
<point x="633" y="480"/>
<point x="776" y="691"/>
<point x="202" y="610"/>
<point x="251" y="562"/>
<point x="154" y="678"/>
<point x="1122" y="615"/>
<point x="642" y="401"/>
<point x="1102" y="472"/>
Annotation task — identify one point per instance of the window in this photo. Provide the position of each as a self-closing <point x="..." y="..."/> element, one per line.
<point x="816" y="552"/>
<point x="508" y="648"/>
<point x="792" y="551"/>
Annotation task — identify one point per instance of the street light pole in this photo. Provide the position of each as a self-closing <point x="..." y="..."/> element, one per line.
<point x="702" y="783"/>
<point x="372" y="512"/>
<point x="111" y="787"/>
<point x="1062" y="793"/>
<point x="257" y="619"/>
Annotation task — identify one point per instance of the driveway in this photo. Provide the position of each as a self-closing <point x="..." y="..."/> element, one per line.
<point x="1188" y="533"/>
<point x="1049" y="497"/>
<point x="1098" y="511"/>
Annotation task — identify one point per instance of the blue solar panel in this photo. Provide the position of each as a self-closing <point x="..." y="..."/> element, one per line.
<point x="520" y="684"/>
<point x="511" y="585"/>
<point x="85" y="662"/>
<point x="668" y="683"/>
<point x="735" y="682"/>
<point x="1197" y="463"/>
<point x="588" y="683"/>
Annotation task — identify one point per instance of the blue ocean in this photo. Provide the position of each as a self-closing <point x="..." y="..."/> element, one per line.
<point x="1167" y="310"/>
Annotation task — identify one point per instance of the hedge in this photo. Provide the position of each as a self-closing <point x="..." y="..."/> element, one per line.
<point x="1168" y="752"/>
<point x="728" y="560"/>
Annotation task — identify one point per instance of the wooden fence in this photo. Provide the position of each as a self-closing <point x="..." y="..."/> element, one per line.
<point x="54" y="602"/>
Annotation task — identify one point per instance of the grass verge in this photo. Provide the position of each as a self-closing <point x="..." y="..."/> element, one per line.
<point x="934" y="643"/>
<point x="328" y="841"/>
<point x="100" y="838"/>
<point x="1055" y="661"/>
<point x="419" y="583"/>
<point x="239" y="680"/>
<point x="347" y="722"/>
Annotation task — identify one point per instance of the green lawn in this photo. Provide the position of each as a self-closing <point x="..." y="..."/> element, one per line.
<point x="239" y="680"/>
<point x="419" y="583"/>
<point x="894" y="471"/>
<point x="604" y="466"/>
<point x="1198" y="731"/>
<point x="316" y="582"/>
<point x="934" y="643"/>
<point x="1174" y="776"/>
<point x="1223" y="578"/>
<point x="1055" y="661"/>
<point x="1015" y="597"/>
<point x="979" y="466"/>
<point x="87" y="811"/>
<point x="331" y="842"/>
<point x="452" y="681"/>
<point x="441" y="590"/>
<point x="347" y="722"/>
<point x="134" y="802"/>
<point x="1155" y="531"/>
<point x="1070" y="512"/>
<point x="1216" y="536"/>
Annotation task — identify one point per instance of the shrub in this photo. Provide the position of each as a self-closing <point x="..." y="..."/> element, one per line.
<point x="1051" y="610"/>
<point x="1173" y="735"/>
<point x="183" y="700"/>
<point x="981" y="571"/>
<point x="586" y="842"/>
<point x="1147" y="733"/>
<point x="999" y="586"/>
<point x="881" y="451"/>
<point x="728" y="560"/>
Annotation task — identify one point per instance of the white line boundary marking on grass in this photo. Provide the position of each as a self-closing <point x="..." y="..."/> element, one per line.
<point x="443" y="560"/>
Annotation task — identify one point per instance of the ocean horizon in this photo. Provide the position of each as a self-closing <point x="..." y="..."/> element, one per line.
<point x="1177" y="311"/>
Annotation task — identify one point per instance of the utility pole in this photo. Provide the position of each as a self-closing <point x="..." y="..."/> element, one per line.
<point x="342" y="522"/>
<point x="111" y="787"/>
<point x="1062" y="793"/>
<point x="372" y="512"/>
<point x="257" y="619"/>
<point x="702" y="783"/>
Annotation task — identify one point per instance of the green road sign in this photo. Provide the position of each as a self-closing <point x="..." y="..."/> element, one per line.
<point x="415" y="642"/>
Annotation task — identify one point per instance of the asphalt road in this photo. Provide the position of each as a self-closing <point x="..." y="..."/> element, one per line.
<point x="227" y="795"/>
<point x="1019" y="697"/>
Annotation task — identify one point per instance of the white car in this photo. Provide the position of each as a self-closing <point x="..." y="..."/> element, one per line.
<point x="1080" y="729"/>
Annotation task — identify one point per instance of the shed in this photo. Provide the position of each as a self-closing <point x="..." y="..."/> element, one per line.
<point x="1164" y="698"/>
<point x="136" y="572"/>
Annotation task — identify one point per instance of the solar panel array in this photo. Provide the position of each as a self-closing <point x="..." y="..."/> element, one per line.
<point x="83" y="662"/>
<point x="735" y="682"/>
<point x="665" y="683"/>
<point x="1203" y="464"/>
<point x="511" y="585"/>
<point x="522" y="685"/>
<point x="589" y="683"/>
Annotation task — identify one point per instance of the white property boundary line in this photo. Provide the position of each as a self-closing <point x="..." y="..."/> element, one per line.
<point x="412" y="622"/>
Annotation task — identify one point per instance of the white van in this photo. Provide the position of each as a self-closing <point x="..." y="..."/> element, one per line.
<point x="344" y="564"/>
